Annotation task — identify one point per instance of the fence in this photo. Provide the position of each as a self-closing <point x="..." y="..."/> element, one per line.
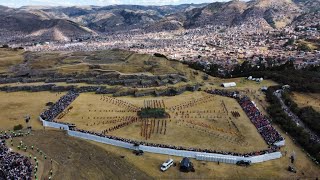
<point x="54" y="124"/>
<point x="173" y="152"/>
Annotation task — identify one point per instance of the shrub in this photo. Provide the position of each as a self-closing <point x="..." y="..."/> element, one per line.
<point x="17" y="127"/>
<point x="152" y="113"/>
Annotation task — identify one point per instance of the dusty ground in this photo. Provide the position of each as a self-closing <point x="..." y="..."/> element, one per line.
<point x="92" y="112"/>
<point x="307" y="99"/>
<point x="77" y="159"/>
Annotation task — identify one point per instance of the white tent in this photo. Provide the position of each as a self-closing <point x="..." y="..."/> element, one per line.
<point x="230" y="84"/>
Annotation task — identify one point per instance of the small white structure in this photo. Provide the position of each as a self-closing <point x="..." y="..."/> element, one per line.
<point x="230" y="84"/>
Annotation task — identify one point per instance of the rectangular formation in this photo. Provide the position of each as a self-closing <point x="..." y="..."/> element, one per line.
<point x="271" y="136"/>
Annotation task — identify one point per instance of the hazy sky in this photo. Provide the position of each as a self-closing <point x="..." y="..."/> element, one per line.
<point x="18" y="3"/>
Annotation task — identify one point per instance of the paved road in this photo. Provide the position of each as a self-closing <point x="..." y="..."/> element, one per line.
<point x="295" y="118"/>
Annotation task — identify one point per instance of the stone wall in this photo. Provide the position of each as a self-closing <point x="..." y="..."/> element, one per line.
<point x="170" y="91"/>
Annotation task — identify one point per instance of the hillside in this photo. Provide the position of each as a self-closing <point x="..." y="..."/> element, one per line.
<point x="268" y="13"/>
<point x="66" y="23"/>
<point x="38" y="25"/>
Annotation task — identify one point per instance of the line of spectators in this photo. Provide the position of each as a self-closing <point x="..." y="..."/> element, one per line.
<point x="59" y="106"/>
<point x="261" y="122"/>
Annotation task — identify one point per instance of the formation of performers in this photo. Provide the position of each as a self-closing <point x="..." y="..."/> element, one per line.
<point x="120" y="103"/>
<point x="268" y="133"/>
<point x="192" y="103"/>
<point x="153" y="126"/>
<point x="13" y="165"/>
<point x="264" y="127"/>
<point x="210" y="127"/>
<point x="121" y="125"/>
<point x="113" y="119"/>
<point x="235" y="114"/>
<point x="58" y="107"/>
<point x="154" y="104"/>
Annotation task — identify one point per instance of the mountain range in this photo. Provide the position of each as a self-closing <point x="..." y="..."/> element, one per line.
<point x="63" y="23"/>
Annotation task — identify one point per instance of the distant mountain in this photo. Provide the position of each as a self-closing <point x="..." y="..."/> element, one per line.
<point x="311" y="5"/>
<point x="117" y="17"/>
<point x="39" y="25"/>
<point x="65" y="23"/>
<point x="216" y="14"/>
<point x="268" y="13"/>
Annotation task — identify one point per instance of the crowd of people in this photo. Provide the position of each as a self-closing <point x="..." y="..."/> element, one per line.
<point x="268" y="133"/>
<point x="134" y="142"/>
<point x="57" y="108"/>
<point x="13" y="165"/>
<point x="314" y="136"/>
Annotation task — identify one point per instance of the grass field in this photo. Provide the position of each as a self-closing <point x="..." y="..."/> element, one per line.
<point x="78" y="159"/>
<point x="81" y="159"/>
<point x="15" y="106"/>
<point x="307" y="99"/>
<point x="209" y="124"/>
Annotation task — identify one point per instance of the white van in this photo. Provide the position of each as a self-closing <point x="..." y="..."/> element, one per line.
<point x="166" y="165"/>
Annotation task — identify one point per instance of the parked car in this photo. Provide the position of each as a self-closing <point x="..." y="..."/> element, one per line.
<point x="166" y="165"/>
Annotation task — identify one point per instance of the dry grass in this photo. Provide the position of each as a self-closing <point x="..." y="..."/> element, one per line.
<point x="89" y="112"/>
<point x="77" y="159"/>
<point x="307" y="99"/>
<point x="9" y="58"/>
<point x="15" y="106"/>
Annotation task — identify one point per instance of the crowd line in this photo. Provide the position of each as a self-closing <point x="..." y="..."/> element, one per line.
<point x="58" y="107"/>
<point x="13" y="165"/>
<point x="261" y="122"/>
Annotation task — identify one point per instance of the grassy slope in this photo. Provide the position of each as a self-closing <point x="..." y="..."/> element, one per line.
<point x="307" y="99"/>
<point x="78" y="159"/>
<point x="9" y="58"/>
